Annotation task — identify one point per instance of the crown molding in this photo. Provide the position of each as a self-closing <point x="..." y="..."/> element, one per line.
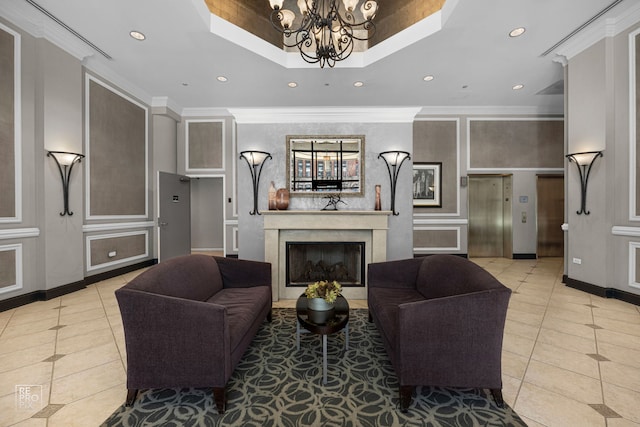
<point x="627" y="14"/>
<point x="489" y="110"/>
<point x="325" y="115"/>
<point x="205" y="112"/>
<point x="30" y="20"/>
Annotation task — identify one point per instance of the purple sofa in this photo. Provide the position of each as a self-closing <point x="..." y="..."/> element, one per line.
<point x="442" y="319"/>
<point x="188" y="320"/>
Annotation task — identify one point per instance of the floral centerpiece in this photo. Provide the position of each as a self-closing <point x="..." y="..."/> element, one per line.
<point x="323" y="294"/>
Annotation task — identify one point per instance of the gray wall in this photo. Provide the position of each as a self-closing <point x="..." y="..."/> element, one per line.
<point x="378" y="137"/>
<point x="598" y="117"/>
<point x="539" y="140"/>
<point x="207" y="213"/>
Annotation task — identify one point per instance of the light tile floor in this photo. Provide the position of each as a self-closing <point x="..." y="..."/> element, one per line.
<point x="569" y="359"/>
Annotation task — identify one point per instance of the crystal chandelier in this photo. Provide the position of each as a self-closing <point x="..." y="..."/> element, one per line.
<point x="327" y="31"/>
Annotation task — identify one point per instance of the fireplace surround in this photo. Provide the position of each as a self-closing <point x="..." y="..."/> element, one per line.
<point x="282" y="227"/>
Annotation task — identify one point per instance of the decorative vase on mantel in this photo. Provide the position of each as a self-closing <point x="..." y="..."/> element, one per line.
<point x="282" y="199"/>
<point x="319" y="304"/>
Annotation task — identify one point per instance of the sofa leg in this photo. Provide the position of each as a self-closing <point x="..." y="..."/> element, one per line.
<point x="132" y="393"/>
<point x="405" y="397"/>
<point x="270" y="316"/>
<point x="497" y="396"/>
<point x="220" y="399"/>
<point x="370" y="317"/>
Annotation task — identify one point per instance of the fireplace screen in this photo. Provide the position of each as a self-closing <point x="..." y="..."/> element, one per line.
<point x="309" y="262"/>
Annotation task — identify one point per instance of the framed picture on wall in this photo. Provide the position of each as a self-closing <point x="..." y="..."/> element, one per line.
<point x="427" y="185"/>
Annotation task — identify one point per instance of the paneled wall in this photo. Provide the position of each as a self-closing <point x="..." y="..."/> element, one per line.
<point x="118" y="226"/>
<point x="519" y="146"/>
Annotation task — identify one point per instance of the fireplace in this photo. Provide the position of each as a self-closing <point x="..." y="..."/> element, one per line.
<point x="309" y="262"/>
<point x="368" y="228"/>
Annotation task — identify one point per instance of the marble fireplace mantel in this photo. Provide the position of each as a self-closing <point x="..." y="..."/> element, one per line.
<point x="322" y="226"/>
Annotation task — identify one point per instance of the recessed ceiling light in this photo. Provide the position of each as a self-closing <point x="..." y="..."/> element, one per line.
<point x="137" y="35"/>
<point x="358" y="84"/>
<point x="516" y="32"/>
<point x="518" y="87"/>
<point x="292" y="84"/>
<point x="428" y="78"/>
<point x="221" y="79"/>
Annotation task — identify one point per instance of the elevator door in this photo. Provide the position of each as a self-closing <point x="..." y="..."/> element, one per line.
<point x="490" y="216"/>
<point x="550" y="214"/>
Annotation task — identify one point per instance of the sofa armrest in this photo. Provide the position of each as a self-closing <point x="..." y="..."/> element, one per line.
<point x="394" y="274"/>
<point x="441" y="341"/>
<point x="170" y="341"/>
<point x="242" y="273"/>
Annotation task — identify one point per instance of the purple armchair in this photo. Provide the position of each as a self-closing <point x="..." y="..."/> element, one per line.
<point x="188" y="321"/>
<point x="442" y="319"/>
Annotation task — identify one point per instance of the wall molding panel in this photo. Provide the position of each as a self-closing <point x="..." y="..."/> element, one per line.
<point x="634" y="111"/>
<point x="634" y="261"/>
<point x="435" y="231"/>
<point x="11" y="278"/>
<point x="206" y="142"/>
<point x="437" y="212"/>
<point x="117" y="153"/>
<point x="543" y="154"/>
<point x="11" y="130"/>
<point x="89" y="240"/>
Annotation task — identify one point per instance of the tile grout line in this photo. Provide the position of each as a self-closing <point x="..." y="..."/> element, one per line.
<point x="113" y="335"/>
<point x="555" y="283"/>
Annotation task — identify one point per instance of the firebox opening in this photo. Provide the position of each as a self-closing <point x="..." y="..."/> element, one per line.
<point x="309" y="262"/>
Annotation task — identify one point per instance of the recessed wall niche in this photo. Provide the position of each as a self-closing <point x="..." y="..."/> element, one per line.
<point x="117" y="133"/>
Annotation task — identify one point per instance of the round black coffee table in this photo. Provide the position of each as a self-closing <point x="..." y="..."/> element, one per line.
<point x="323" y="323"/>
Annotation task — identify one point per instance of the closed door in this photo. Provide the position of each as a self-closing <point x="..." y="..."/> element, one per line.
<point x="550" y="214"/>
<point x="174" y="215"/>
<point x="489" y="216"/>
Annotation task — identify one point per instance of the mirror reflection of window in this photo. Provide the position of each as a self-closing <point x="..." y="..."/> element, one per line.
<point x="325" y="164"/>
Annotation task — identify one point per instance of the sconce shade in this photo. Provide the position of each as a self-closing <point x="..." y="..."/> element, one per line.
<point x="584" y="161"/>
<point x="65" y="161"/>
<point x="255" y="160"/>
<point x="394" y="160"/>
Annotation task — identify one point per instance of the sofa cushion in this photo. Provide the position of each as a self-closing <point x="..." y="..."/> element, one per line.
<point x="194" y="277"/>
<point x="384" y="303"/>
<point x="243" y="307"/>
<point x="448" y="275"/>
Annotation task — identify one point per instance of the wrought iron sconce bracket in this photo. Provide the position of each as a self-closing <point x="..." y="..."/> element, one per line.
<point x="584" y="161"/>
<point x="65" y="166"/>
<point x="394" y="160"/>
<point x="255" y="160"/>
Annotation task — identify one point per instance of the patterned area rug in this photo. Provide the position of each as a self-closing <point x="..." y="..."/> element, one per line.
<point x="275" y="385"/>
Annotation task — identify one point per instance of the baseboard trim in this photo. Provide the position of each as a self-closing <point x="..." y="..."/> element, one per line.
<point x="600" y="291"/>
<point x="424" y="255"/>
<point x="47" y="294"/>
<point x="525" y="256"/>
<point x="119" y="271"/>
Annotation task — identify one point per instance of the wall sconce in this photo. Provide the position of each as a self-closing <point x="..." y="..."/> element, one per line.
<point x="394" y="160"/>
<point x="255" y="160"/>
<point x="65" y="161"/>
<point x="584" y="161"/>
